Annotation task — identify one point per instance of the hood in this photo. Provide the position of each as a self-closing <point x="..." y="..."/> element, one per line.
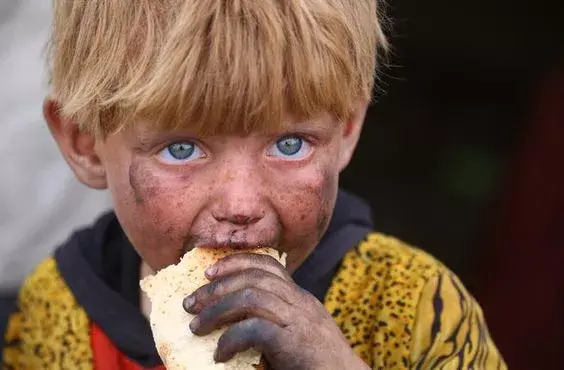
<point x="350" y="223"/>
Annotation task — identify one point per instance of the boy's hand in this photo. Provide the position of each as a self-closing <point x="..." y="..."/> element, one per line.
<point x="269" y="312"/>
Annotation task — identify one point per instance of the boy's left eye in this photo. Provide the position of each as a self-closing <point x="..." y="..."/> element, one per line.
<point x="291" y="147"/>
<point x="181" y="152"/>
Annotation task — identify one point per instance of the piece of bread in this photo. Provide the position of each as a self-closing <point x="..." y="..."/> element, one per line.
<point x="177" y="346"/>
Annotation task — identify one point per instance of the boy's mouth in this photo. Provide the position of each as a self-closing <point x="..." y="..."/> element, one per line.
<point x="234" y="240"/>
<point x="237" y="246"/>
<point x="234" y="246"/>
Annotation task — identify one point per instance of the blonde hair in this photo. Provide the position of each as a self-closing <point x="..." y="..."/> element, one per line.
<point x="211" y="65"/>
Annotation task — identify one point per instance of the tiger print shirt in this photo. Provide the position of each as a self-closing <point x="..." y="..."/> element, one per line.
<point x="398" y="307"/>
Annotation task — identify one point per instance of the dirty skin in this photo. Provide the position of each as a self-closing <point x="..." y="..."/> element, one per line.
<point x="307" y="199"/>
<point x="142" y="182"/>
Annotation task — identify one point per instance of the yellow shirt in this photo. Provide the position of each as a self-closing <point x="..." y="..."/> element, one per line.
<point x="398" y="307"/>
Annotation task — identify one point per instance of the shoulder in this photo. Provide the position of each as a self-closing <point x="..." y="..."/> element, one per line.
<point x="45" y="296"/>
<point x="390" y="258"/>
<point x="391" y="272"/>
<point x="399" y="307"/>
<point x="44" y="284"/>
<point x="49" y="327"/>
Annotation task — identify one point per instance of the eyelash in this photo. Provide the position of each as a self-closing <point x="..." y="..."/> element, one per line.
<point x="307" y="140"/>
<point x="166" y="151"/>
<point x="305" y="143"/>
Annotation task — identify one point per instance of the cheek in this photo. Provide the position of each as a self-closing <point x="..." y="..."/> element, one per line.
<point x="329" y="190"/>
<point x="305" y="204"/>
<point x="153" y="209"/>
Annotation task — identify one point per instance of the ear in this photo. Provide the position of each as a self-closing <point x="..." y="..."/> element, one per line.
<point x="351" y="135"/>
<point x="78" y="148"/>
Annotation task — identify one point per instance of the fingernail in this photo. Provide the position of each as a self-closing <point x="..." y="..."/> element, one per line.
<point x="194" y="324"/>
<point x="189" y="302"/>
<point x="211" y="271"/>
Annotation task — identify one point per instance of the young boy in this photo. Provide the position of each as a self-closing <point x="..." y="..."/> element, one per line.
<point x="227" y="123"/>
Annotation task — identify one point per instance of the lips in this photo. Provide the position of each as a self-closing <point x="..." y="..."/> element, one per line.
<point x="214" y="243"/>
<point x="236" y="246"/>
<point x="235" y="239"/>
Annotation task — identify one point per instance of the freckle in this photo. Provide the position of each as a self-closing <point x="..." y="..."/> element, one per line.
<point x="186" y="179"/>
<point x="303" y="217"/>
<point x="152" y="191"/>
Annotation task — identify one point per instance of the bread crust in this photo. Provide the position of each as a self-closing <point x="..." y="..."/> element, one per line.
<point x="177" y="346"/>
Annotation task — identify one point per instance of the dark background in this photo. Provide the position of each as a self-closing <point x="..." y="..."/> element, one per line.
<point x="449" y="115"/>
<point x="462" y="155"/>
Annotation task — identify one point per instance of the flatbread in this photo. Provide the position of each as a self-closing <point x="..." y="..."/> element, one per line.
<point x="177" y="346"/>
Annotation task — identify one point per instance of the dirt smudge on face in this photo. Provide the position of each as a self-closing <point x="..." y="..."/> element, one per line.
<point x="142" y="182"/>
<point x="327" y="196"/>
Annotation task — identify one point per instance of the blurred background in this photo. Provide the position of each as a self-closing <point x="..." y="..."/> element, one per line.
<point x="40" y="201"/>
<point x="462" y="155"/>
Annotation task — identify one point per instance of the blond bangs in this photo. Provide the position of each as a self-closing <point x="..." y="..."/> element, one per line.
<point x="211" y="66"/>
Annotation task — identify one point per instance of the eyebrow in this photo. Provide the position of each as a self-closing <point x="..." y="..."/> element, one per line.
<point x="146" y="136"/>
<point x="324" y="123"/>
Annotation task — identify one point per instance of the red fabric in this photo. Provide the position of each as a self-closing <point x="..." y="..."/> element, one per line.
<point x="522" y="290"/>
<point x="107" y="356"/>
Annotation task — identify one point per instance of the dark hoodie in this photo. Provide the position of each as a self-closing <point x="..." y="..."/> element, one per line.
<point x="101" y="267"/>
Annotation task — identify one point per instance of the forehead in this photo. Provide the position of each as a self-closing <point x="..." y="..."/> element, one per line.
<point x="145" y="130"/>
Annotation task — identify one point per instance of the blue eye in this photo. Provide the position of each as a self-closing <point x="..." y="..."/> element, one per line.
<point x="290" y="147"/>
<point x="181" y="152"/>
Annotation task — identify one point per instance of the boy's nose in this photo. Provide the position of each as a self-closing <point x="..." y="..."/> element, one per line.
<point x="239" y="200"/>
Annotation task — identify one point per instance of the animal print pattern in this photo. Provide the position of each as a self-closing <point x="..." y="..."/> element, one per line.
<point x="50" y="331"/>
<point x="397" y="306"/>
<point x="401" y="309"/>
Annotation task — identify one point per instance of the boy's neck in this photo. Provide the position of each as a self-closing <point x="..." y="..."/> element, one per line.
<point x="145" y="303"/>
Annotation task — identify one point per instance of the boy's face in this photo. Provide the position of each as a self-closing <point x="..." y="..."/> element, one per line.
<point x="174" y="191"/>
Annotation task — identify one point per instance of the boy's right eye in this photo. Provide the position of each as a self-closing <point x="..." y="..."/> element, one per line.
<point x="181" y="152"/>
